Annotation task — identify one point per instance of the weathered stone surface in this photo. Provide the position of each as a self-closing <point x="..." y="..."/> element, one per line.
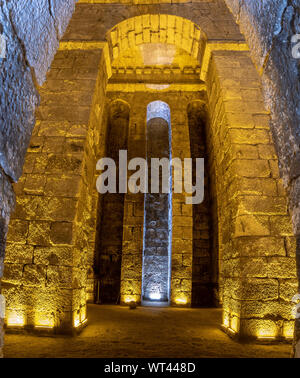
<point x="250" y="219"/>
<point x="157" y="219"/>
<point x="85" y="23"/>
<point x="109" y="236"/>
<point x="31" y="30"/>
<point x="18" y="99"/>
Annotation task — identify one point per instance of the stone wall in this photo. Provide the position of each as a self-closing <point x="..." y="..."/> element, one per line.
<point x="59" y="214"/>
<point x="32" y="30"/>
<point x="268" y="27"/>
<point x="213" y="18"/>
<point x="131" y="275"/>
<point x="108" y="248"/>
<point x="156" y="249"/>
<point x="205" y="282"/>
<point x="256" y="243"/>
<point x="50" y="232"/>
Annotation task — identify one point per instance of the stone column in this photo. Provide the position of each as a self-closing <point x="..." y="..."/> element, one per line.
<point x="256" y="244"/>
<point x="156" y="259"/>
<point x="45" y="265"/>
<point x="182" y="215"/>
<point x="131" y="272"/>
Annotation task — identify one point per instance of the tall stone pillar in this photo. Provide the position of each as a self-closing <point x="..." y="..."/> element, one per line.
<point x="256" y="243"/>
<point x="132" y="252"/>
<point x="182" y="214"/>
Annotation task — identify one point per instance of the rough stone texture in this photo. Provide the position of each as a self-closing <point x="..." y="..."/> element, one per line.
<point x="108" y="248"/>
<point x="92" y="21"/>
<point x="243" y="161"/>
<point x="49" y="231"/>
<point x="31" y="30"/>
<point x="148" y="332"/>
<point x="156" y="269"/>
<point x="268" y="27"/>
<point x="131" y="275"/>
<point x="205" y="269"/>
<point x="52" y="233"/>
<point x="7" y="202"/>
<point x="18" y="100"/>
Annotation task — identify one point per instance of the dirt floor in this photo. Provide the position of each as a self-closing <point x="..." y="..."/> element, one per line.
<point x="116" y="331"/>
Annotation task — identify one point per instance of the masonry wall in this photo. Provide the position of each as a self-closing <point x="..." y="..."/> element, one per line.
<point x="109" y="238"/>
<point x="32" y="30"/>
<point x="25" y="67"/>
<point x="256" y="247"/>
<point x="46" y="257"/>
<point x="182" y="220"/>
<point x="268" y="27"/>
<point x="204" y="285"/>
<point x="156" y="249"/>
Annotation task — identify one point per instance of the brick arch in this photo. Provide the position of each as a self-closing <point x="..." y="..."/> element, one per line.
<point x="256" y="245"/>
<point x="157" y="28"/>
<point x="119" y="103"/>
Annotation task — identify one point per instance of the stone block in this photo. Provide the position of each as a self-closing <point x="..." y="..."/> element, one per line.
<point x="39" y="233"/>
<point x="61" y="233"/>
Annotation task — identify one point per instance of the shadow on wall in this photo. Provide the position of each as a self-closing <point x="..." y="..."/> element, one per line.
<point x="205" y="243"/>
<point x="108" y="248"/>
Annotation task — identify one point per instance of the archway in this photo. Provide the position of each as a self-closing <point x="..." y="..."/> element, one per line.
<point x="254" y="252"/>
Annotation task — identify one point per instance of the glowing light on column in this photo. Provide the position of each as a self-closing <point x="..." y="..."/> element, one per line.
<point x="156" y="271"/>
<point x="76" y="320"/>
<point x="155" y="296"/>
<point x="44" y="321"/>
<point x="181" y="300"/>
<point x="15" y="319"/>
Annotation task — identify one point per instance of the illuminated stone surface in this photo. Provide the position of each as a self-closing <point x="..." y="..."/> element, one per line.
<point x="108" y="248"/>
<point x="118" y="332"/>
<point x="157" y="227"/>
<point x="51" y="241"/>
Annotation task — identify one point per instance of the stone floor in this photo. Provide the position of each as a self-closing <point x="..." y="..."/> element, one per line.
<point x="116" y="331"/>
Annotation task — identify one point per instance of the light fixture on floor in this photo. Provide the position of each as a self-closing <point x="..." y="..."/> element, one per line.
<point x="155" y="296"/>
<point x="181" y="301"/>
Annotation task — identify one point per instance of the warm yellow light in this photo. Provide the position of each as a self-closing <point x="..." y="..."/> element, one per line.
<point x="158" y="53"/>
<point x="43" y="321"/>
<point x="266" y="337"/>
<point x="267" y="333"/>
<point x="181" y="300"/>
<point x="43" y="326"/>
<point x="83" y="314"/>
<point x="231" y="323"/>
<point x="76" y="320"/>
<point x="15" y="319"/>
<point x="158" y="87"/>
<point x="234" y="324"/>
<point x="225" y="319"/>
<point x="129" y="298"/>
<point x="288" y="330"/>
<point x="232" y="331"/>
